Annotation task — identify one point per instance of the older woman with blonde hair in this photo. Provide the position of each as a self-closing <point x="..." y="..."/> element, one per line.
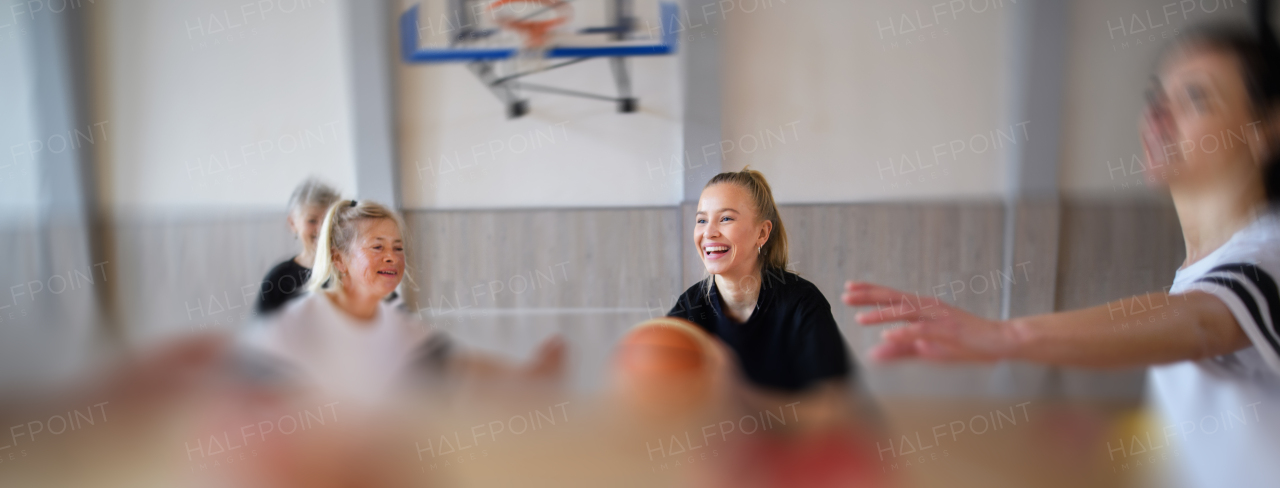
<point x="343" y="336"/>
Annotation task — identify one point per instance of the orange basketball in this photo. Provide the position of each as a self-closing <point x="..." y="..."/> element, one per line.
<point x="662" y="347"/>
<point x="663" y="367"/>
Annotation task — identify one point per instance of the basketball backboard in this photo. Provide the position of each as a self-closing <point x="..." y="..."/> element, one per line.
<point x="502" y="41"/>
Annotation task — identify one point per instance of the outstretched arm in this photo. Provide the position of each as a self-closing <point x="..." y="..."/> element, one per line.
<point x="441" y="356"/>
<point x="1138" y="331"/>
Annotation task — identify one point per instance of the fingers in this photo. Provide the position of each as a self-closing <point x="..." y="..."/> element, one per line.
<point x="927" y="341"/>
<point x="858" y="293"/>
<point x="896" y="344"/>
<point x="936" y="351"/>
<point x="935" y="331"/>
<point x="931" y="341"/>
<point x="889" y="351"/>
<point x="914" y="348"/>
<point x="897" y="313"/>
<point x="892" y="305"/>
<point x="906" y="310"/>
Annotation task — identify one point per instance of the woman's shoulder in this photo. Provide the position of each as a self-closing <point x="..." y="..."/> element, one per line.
<point x="1257" y="244"/>
<point x="786" y="280"/>
<point x="284" y="267"/>
<point x="1266" y="228"/>
<point x="693" y="298"/>
<point x="285" y="277"/>
<point x="306" y="302"/>
<point x="398" y="311"/>
<point x="403" y="320"/>
<point x="285" y="325"/>
<point x="695" y="294"/>
<point x="298" y="313"/>
<point x="695" y="290"/>
<point x="791" y="286"/>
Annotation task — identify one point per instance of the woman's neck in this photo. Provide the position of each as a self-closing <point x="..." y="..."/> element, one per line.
<point x="306" y="258"/>
<point x="739" y="293"/>
<point x="360" y="306"/>
<point x="1210" y="218"/>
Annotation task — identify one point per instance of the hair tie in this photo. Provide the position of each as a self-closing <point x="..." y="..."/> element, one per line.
<point x="353" y="204"/>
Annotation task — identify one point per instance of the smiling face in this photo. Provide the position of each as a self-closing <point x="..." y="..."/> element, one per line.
<point x="728" y="231"/>
<point x="305" y="222"/>
<point x="1199" y="126"/>
<point x="374" y="264"/>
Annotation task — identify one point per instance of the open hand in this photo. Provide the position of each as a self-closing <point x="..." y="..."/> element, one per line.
<point x="935" y="330"/>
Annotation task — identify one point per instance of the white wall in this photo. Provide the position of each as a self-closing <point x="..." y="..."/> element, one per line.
<point x="1109" y="66"/>
<point x="862" y="84"/>
<point x="865" y="86"/>
<point x="458" y="149"/>
<point x="18" y="177"/>
<point x="219" y="103"/>
<point x="825" y="97"/>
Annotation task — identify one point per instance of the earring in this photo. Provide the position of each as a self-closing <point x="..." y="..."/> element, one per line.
<point x="759" y="249"/>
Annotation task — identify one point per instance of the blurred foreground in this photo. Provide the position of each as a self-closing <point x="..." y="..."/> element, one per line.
<point x="194" y="413"/>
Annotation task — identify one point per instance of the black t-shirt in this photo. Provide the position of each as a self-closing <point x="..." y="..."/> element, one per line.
<point x="791" y="339"/>
<point x="284" y="282"/>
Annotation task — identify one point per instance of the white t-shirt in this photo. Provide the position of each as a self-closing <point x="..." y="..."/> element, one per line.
<point x="337" y="353"/>
<point x="1221" y="416"/>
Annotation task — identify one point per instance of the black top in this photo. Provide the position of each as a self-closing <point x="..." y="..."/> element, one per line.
<point x="789" y="342"/>
<point x="284" y="282"/>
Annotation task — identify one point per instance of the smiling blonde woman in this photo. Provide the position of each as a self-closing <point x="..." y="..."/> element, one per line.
<point x="344" y="337"/>
<point x="779" y="325"/>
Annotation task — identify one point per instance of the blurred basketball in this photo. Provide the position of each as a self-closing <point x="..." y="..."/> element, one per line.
<point x="659" y="347"/>
<point x="664" y="366"/>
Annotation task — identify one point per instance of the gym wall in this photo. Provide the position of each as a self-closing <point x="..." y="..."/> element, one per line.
<point x="587" y="233"/>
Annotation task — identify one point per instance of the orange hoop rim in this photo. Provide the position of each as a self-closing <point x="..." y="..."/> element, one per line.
<point x="534" y="32"/>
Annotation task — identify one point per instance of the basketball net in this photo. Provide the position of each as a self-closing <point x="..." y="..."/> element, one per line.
<point x="535" y="26"/>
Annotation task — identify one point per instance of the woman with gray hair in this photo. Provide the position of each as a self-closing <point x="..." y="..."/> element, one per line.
<point x="286" y="280"/>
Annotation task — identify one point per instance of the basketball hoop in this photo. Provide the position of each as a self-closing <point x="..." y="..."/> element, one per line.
<point x="507" y="40"/>
<point x="535" y="32"/>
